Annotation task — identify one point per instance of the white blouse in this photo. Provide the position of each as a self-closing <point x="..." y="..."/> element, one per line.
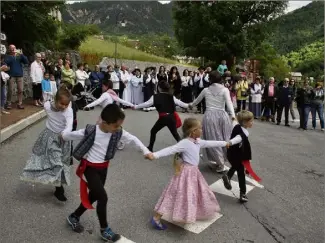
<point x="186" y="81"/>
<point x="189" y="148"/>
<point x="216" y="98"/>
<point x="135" y="81"/>
<point x="81" y="77"/>
<point x="106" y="99"/>
<point x="97" y="152"/>
<point x="58" y="121"/>
<point x="149" y="103"/>
<point x="36" y="72"/>
<point x="115" y="79"/>
<point x="256" y="93"/>
<point x="125" y="76"/>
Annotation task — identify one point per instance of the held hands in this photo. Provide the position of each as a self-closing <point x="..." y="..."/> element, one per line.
<point x="86" y="108"/>
<point x="149" y="156"/>
<point x="228" y="145"/>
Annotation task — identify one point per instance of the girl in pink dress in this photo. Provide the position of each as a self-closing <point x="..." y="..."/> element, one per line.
<point x="187" y="197"/>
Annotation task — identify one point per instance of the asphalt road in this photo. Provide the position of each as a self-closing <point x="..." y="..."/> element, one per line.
<point x="290" y="207"/>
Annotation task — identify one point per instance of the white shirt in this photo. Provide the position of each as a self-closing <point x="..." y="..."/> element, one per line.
<point x="201" y="78"/>
<point x="257" y="96"/>
<point x="136" y="81"/>
<point x="150" y="103"/>
<point x="36" y="72"/>
<point x="216" y="98"/>
<point x="125" y="76"/>
<point x="81" y="77"/>
<point x="186" y="81"/>
<point x="58" y="121"/>
<point x="54" y="88"/>
<point x="106" y="99"/>
<point x="238" y="138"/>
<point x="97" y="152"/>
<point x="116" y="81"/>
<point x="189" y="148"/>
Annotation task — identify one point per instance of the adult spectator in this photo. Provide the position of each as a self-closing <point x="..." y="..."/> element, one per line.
<point x="81" y="75"/>
<point x="58" y="72"/>
<point x="15" y="61"/>
<point x="201" y="82"/>
<point x="37" y="71"/>
<point x="68" y="75"/>
<point x="284" y="99"/>
<point x="292" y="84"/>
<point x="241" y="93"/>
<point x="4" y="78"/>
<point x="222" y="67"/>
<point x="317" y="105"/>
<point x="269" y="97"/>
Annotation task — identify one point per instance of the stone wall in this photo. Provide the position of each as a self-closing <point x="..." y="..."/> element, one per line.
<point x="131" y="64"/>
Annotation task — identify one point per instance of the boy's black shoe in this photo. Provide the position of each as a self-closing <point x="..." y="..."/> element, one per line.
<point x="59" y="194"/>
<point x="226" y="182"/>
<point x="243" y="198"/>
<point x="108" y="235"/>
<point x="73" y="221"/>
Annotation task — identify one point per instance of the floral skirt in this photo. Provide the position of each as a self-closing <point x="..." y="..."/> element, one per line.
<point x="187" y="197"/>
<point x="50" y="160"/>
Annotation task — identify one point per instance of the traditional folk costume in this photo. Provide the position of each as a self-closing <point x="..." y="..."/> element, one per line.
<point x="136" y="90"/>
<point x="125" y="77"/>
<point x="256" y="101"/>
<point x="149" y="82"/>
<point x="216" y="123"/>
<point x="95" y="151"/>
<point x="201" y="82"/>
<point x="50" y="159"/>
<point x="239" y="156"/>
<point x="188" y="198"/>
<point x="165" y="105"/>
<point x="186" y="92"/>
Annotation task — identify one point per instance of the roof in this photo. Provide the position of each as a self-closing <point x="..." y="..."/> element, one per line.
<point x="296" y="74"/>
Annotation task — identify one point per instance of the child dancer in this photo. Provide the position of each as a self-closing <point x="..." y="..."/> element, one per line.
<point x="97" y="148"/>
<point x="46" y="88"/>
<point x="187" y="197"/>
<point x="108" y="97"/>
<point x="240" y="154"/>
<point x="50" y="160"/>
<point x="54" y="87"/>
<point x="165" y="106"/>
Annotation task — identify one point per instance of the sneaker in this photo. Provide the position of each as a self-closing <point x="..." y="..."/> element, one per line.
<point x="226" y="182"/>
<point x="73" y="221"/>
<point x="120" y="145"/>
<point x="3" y="111"/>
<point x="107" y="234"/>
<point x="243" y="198"/>
<point x="122" y="109"/>
<point x="287" y="125"/>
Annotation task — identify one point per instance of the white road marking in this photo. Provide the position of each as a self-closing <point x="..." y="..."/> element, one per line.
<point x="251" y="180"/>
<point x="218" y="187"/>
<point x="124" y="240"/>
<point x="196" y="227"/>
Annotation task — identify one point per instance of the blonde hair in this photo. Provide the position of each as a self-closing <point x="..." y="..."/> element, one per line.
<point x="244" y="116"/>
<point x="189" y="125"/>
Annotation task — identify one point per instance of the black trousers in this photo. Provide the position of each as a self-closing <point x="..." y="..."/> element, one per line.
<point x="162" y="122"/>
<point x="37" y="91"/>
<point x="241" y="105"/>
<point x="96" y="178"/>
<point x="286" y="113"/>
<point x="202" y="103"/>
<point x="239" y="167"/>
<point x="74" y="128"/>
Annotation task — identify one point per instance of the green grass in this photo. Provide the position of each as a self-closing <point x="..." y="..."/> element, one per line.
<point x="93" y="46"/>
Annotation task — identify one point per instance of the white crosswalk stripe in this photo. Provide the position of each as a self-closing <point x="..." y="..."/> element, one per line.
<point x="124" y="240"/>
<point x="218" y="187"/>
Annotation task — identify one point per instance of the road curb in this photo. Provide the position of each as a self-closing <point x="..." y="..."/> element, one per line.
<point x="11" y="130"/>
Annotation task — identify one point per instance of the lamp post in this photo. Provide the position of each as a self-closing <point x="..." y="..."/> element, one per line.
<point x="123" y="22"/>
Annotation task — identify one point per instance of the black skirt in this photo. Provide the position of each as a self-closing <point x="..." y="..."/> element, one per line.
<point x="37" y="91"/>
<point x="186" y="96"/>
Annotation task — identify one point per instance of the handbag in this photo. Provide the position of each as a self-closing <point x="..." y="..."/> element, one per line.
<point x="243" y="93"/>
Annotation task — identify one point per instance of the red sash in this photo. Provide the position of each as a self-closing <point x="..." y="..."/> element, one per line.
<point x="177" y="118"/>
<point x="83" y="184"/>
<point x="250" y="171"/>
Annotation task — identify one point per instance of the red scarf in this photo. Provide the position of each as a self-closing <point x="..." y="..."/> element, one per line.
<point x="177" y="118"/>
<point x="250" y="171"/>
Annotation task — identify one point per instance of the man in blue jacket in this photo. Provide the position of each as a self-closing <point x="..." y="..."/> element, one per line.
<point x="15" y="62"/>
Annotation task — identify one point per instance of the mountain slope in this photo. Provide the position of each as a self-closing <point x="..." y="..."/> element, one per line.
<point x="141" y="17"/>
<point x="301" y="27"/>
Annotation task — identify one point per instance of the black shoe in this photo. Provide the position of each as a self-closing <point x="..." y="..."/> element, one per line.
<point x="243" y="198"/>
<point x="278" y="123"/>
<point x="73" y="221"/>
<point x="226" y="182"/>
<point x="71" y="161"/>
<point x="108" y="235"/>
<point x="287" y="125"/>
<point x="59" y="194"/>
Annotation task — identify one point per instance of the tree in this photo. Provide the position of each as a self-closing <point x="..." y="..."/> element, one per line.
<point x="222" y="30"/>
<point x="73" y="35"/>
<point x="26" y="23"/>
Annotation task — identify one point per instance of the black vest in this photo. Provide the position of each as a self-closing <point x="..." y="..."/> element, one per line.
<point x="88" y="141"/>
<point x="164" y="103"/>
<point x="242" y="151"/>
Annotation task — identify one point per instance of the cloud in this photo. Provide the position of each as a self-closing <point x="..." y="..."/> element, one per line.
<point x="293" y="5"/>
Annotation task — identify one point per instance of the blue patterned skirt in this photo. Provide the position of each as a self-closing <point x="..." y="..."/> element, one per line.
<point x="50" y="160"/>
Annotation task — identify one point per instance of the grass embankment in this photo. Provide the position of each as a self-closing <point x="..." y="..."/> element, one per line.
<point x="93" y="50"/>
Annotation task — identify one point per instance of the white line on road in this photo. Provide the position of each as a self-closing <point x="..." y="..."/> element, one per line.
<point x="124" y="240"/>
<point x="218" y="187"/>
<point x="255" y="183"/>
<point x="196" y="227"/>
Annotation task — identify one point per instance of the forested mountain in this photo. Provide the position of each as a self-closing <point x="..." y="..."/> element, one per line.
<point x="296" y="29"/>
<point x="142" y="17"/>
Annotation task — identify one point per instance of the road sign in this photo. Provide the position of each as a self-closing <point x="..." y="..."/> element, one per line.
<point x="3" y="36"/>
<point x="3" y="49"/>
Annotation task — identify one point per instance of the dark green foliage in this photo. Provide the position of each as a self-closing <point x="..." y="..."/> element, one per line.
<point x="27" y="23"/>
<point x="223" y="29"/>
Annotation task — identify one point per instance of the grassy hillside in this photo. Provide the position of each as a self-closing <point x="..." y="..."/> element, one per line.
<point x="94" y="49"/>
<point x="301" y="27"/>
